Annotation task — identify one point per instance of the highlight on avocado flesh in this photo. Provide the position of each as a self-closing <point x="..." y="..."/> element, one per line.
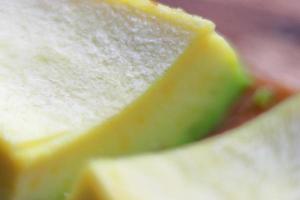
<point x="84" y="79"/>
<point x="256" y="161"/>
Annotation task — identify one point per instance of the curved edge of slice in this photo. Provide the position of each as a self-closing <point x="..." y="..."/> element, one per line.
<point x="249" y="158"/>
<point x="172" y="112"/>
<point x="176" y="16"/>
<point x="184" y="105"/>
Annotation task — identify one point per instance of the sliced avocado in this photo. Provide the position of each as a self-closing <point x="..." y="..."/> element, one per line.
<point x="259" y="160"/>
<point x="85" y="78"/>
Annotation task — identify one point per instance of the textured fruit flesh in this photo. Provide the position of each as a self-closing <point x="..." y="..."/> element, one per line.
<point x="82" y="79"/>
<point x="256" y="161"/>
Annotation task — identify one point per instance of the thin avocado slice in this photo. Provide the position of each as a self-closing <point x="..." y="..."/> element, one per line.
<point x="82" y="79"/>
<point x="259" y="160"/>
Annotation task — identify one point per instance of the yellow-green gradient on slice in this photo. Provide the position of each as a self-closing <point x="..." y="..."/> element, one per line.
<point x="88" y="78"/>
<point x="259" y="160"/>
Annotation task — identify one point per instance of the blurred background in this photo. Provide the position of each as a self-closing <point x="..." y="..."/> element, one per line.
<point x="266" y="34"/>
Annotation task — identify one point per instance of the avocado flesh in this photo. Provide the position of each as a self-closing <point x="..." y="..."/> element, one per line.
<point x="81" y="79"/>
<point x="259" y="160"/>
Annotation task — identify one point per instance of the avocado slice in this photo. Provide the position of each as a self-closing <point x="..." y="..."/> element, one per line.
<point x="259" y="160"/>
<point x="88" y="78"/>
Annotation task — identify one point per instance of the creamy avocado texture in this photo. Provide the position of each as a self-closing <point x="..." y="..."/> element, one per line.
<point x="259" y="161"/>
<point x="69" y="65"/>
<point x="86" y="78"/>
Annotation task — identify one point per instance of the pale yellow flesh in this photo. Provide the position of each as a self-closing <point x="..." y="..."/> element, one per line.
<point x="102" y="78"/>
<point x="66" y="67"/>
<point x="258" y="161"/>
